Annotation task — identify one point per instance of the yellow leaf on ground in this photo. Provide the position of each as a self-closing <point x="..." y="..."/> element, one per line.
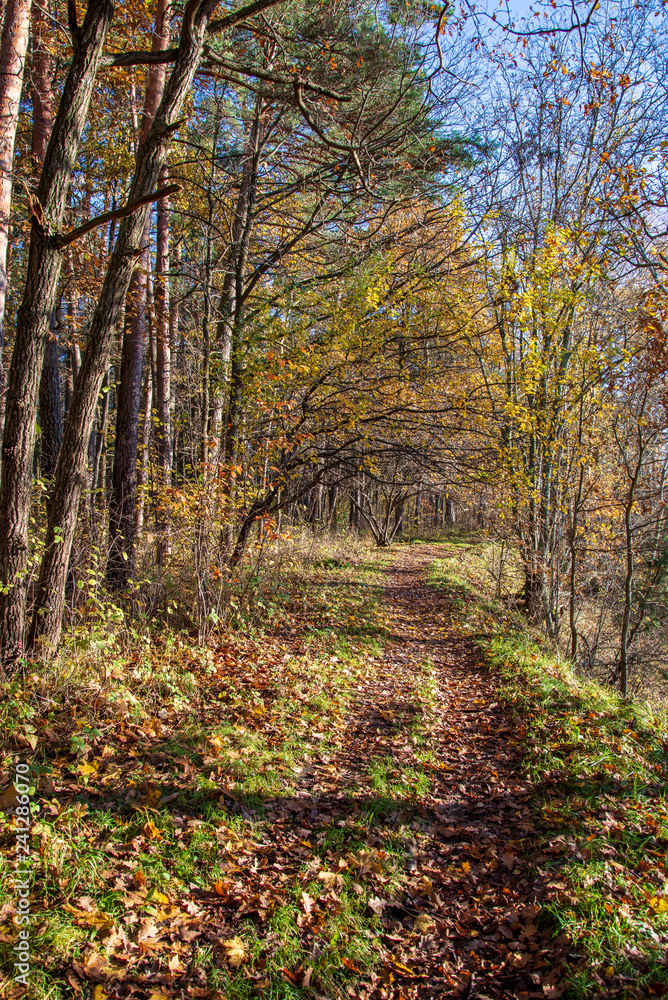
<point x="151" y="831"/>
<point x="235" y="951"/>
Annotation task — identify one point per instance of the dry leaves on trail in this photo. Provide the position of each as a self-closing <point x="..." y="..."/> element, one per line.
<point x="414" y="818"/>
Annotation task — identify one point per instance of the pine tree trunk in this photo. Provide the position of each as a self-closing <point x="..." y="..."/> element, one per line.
<point x="41" y="88"/>
<point x="144" y="441"/>
<point x="122" y="501"/>
<point x="122" y="515"/>
<point x="173" y="345"/>
<point x="13" y="48"/>
<point x="70" y="474"/>
<point x="40" y="297"/>
<point x="163" y="391"/>
<point x="73" y="350"/>
<point x="50" y="416"/>
<point x="100" y="436"/>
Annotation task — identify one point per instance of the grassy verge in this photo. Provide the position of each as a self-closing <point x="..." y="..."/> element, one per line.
<point x="599" y="770"/>
<point x="170" y="849"/>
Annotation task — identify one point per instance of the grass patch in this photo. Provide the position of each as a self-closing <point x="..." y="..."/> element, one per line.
<point x="164" y="772"/>
<point x="599" y="769"/>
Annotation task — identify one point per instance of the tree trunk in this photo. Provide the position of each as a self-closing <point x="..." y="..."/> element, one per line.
<point x="50" y="417"/>
<point x="144" y="442"/>
<point x="123" y="498"/>
<point x="41" y="86"/>
<point x="41" y="89"/>
<point x="173" y="344"/>
<point x="231" y="322"/>
<point x="533" y="592"/>
<point x="70" y="474"/>
<point x="13" y="48"/>
<point x="73" y="350"/>
<point x="100" y="434"/>
<point x="163" y="391"/>
<point x="572" y="577"/>
<point x="40" y="296"/>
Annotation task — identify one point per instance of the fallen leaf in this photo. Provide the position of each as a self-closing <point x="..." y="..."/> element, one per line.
<point x="176" y="966"/>
<point x="423" y="923"/>
<point x="235" y="951"/>
<point x="151" y="831"/>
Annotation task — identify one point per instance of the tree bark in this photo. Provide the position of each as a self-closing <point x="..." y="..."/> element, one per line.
<point x="70" y="474"/>
<point x="50" y="416"/>
<point x="163" y="371"/>
<point x="44" y="113"/>
<point x="97" y="471"/>
<point x="41" y="89"/>
<point x="13" y="48"/>
<point x="144" y="438"/>
<point x="123" y="498"/>
<point x="40" y="296"/>
<point x="73" y="351"/>
<point x="174" y="316"/>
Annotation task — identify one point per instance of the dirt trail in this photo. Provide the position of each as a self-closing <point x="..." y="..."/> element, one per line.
<point x="469" y="923"/>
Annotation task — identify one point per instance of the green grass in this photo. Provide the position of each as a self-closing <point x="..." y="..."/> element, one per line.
<point x="222" y="731"/>
<point x="391" y="780"/>
<point x="598" y="765"/>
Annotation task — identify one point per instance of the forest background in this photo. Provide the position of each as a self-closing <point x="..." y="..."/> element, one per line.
<point x="331" y="267"/>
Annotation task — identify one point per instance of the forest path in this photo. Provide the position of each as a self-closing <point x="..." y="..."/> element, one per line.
<point x="426" y="717"/>
<point x="325" y="825"/>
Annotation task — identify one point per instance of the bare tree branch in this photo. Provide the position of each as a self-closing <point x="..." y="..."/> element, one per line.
<point x="118" y="213"/>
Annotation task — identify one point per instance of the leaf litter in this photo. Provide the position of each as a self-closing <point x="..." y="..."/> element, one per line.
<point x="388" y="853"/>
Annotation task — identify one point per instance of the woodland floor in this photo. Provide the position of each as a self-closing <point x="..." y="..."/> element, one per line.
<point x="385" y="843"/>
<point x="466" y="920"/>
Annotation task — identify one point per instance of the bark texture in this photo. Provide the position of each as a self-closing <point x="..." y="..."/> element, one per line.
<point x="44" y="113"/>
<point x="70" y="473"/>
<point x="163" y="369"/>
<point x="13" y="48"/>
<point x="40" y="297"/>
<point x="123" y="498"/>
<point x="50" y="416"/>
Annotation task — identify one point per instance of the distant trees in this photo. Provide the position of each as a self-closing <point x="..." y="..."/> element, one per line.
<point x="342" y="266"/>
<point x="557" y="311"/>
<point x="320" y="135"/>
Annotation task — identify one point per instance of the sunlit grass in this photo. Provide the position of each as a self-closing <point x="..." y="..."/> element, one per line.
<point x="599" y="769"/>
